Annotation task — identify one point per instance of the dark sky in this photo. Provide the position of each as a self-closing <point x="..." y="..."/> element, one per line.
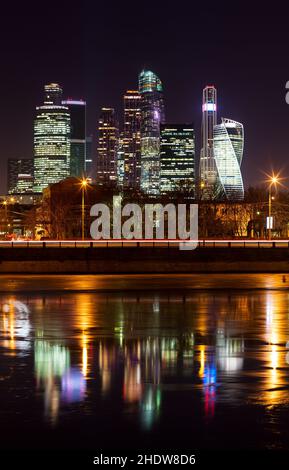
<point x="95" y="50"/>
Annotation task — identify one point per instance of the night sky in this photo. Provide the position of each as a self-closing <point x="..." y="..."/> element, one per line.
<point x="95" y="50"/>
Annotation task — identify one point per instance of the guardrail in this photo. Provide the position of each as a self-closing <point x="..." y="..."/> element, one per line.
<point x="144" y="243"/>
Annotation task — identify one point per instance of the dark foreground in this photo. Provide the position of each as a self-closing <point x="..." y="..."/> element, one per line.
<point x="141" y="363"/>
<point x="133" y="259"/>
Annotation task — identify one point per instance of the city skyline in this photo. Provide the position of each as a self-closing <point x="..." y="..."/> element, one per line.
<point x="141" y="151"/>
<point x="144" y="233"/>
<point x="249" y="78"/>
<point x="77" y="168"/>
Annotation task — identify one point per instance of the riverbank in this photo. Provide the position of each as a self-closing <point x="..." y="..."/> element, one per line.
<point x="136" y="260"/>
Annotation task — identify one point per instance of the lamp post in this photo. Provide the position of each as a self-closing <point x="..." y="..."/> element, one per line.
<point x="6" y="218"/>
<point x="83" y="188"/>
<point x="269" y="215"/>
<point x="202" y="186"/>
<point x="273" y="180"/>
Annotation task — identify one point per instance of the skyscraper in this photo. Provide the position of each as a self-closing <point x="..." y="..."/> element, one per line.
<point x="89" y="157"/>
<point x="207" y="170"/>
<point x="51" y="139"/>
<point x="106" y="163"/>
<point x="77" y="110"/>
<point x="120" y="162"/>
<point x="20" y="175"/>
<point x="132" y="139"/>
<point x="152" y="115"/>
<point x="228" y="150"/>
<point x="177" y="158"/>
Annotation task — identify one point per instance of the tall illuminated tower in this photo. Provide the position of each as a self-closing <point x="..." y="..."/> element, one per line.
<point x="152" y="116"/>
<point x="20" y="175"/>
<point x="132" y="139"/>
<point x="120" y="162"/>
<point x="228" y="151"/>
<point x="107" y="150"/>
<point x="51" y="139"/>
<point x="177" y="158"/>
<point x="207" y="170"/>
<point x="77" y="110"/>
<point x="89" y="156"/>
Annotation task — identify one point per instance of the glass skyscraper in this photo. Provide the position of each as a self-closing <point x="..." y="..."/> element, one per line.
<point x="89" y="170"/>
<point x="152" y="116"/>
<point x="77" y="110"/>
<point x="177" y="158"/>
<point x="51" y="139"/>
<point x="207" y="170"/>
<point x="132" y="139"/>
<point x="120" y="162"/>
<point x="20" y="175"/>
<point x="228" y="151"/>
<point x="107" y="151"/>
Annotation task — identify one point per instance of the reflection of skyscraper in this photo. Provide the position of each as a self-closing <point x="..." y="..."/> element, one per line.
<point x="131" y="138"/>
<point x="177" y="157"/>
<point x="208" y="172"/>
<point x="77" y="110"/>
<point x="106" y="170"/>
<point x="51" y="361"/>
<point x="228" y="151"/>
<point x="152" y="115"/>
<point x="51" y="139"/>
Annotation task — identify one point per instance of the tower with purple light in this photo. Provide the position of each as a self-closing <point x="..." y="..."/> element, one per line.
<point x="152" y="116"/>
<point x="208" y="171"/>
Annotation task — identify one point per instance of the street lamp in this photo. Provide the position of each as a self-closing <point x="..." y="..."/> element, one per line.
<point x="273" y="180"/>
<point x="6" y="217"/>
<point x="83" y="188"/>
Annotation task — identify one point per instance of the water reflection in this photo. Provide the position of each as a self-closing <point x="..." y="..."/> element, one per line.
<point x="51" y="363"/>
<point x="16" y="325"/>
<point x="137" y="352"/>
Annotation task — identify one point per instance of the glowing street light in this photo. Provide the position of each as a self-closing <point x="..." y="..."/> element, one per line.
<point x="274" y="180"/>
<point x="83" y="188"/>
<point x="202" y="187"/>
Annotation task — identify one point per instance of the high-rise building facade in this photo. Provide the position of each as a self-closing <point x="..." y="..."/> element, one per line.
<point x="20" y="175"/>
<point x="207" y="170"/>
<point x="89" y="170"/>
<point x="152" y="116"/>
<point x="120" y="162"/>
<point x="228" y="150"/>
<point x="77" y="111"/>
<point x="177" y="158"/>
<point x="51" y="140"/>
<point x="106" y="163"/>
<point x="132" y="139"/>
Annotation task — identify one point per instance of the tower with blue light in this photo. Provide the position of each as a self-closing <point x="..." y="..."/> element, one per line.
<point x="207" y="169"/>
